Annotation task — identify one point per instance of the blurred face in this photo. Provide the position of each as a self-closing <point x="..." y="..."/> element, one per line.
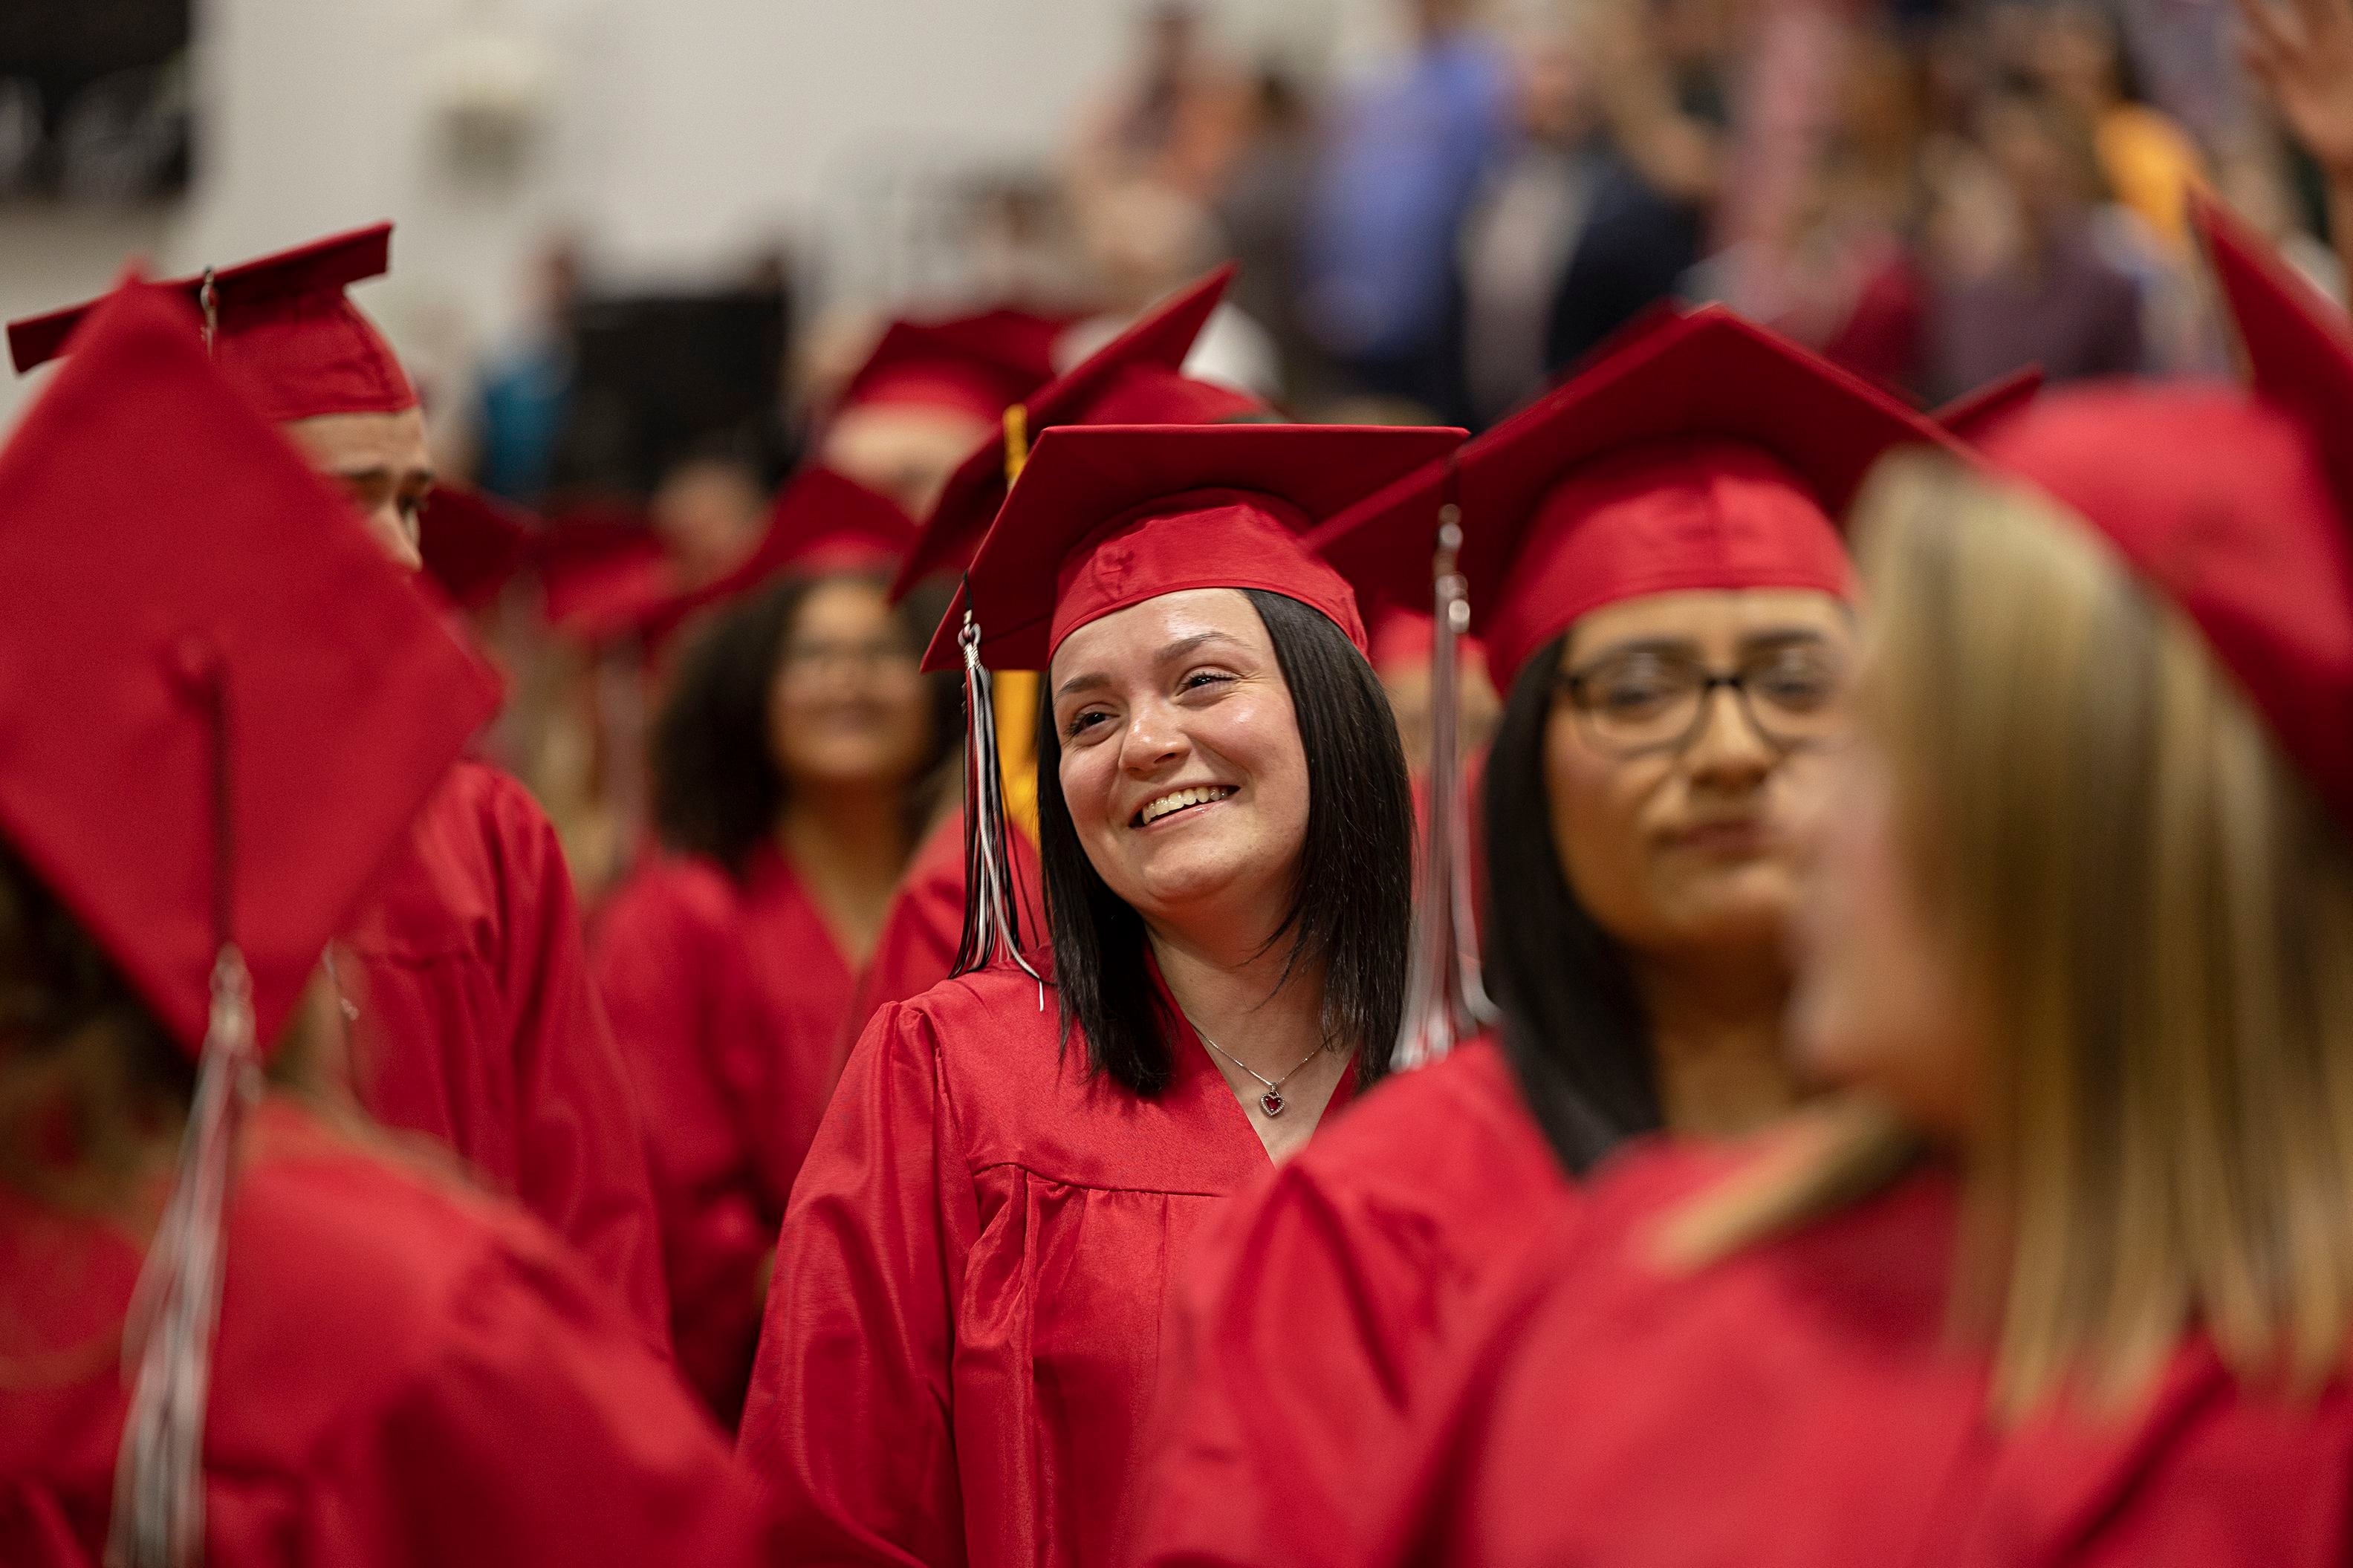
<point x="1552" y="92"/>
<point x="1677" y="818"/>
<point x="1879" y="1001"/>
<point x="708" y="515"/>
<point x="382" y="464"/>
<point x="906" y="451"/>
<point x="1181" y="761"/>
<point x="1406" y="684"/>
<point x="847" y="707"/>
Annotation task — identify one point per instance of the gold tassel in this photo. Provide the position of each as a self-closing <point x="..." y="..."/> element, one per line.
<point x="1017" y="442"/>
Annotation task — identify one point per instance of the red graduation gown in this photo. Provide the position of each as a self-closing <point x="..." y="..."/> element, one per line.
<point x="924" y="924"/>
<point x="405" y="1374"/>
<point x="1800" y="1402"/>
<point x="970" y="1309"/>
<point x="478" y="1026"/>
<point x="1315" y="1307"/>
<point x="728" y="999"/>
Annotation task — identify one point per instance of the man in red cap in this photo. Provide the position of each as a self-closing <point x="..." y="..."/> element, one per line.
<point x="925" y="394"/>
<point x="475" y="1021"/>
<point x="221" y="707"/>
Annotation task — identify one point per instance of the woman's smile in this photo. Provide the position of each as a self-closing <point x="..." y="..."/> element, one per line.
<point x="1177" y="804"/>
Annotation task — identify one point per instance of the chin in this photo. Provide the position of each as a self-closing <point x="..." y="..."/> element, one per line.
<point x="1197" y="876"/>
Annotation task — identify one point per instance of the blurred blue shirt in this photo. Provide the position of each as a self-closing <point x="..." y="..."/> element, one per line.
<point x="1396" y="178"/>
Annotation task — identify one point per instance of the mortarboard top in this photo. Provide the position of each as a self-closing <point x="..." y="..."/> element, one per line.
<point x="1134" y="379"/>
<point x="473" y="544"/>
<point x="284" y="334"/>
<point x="2238" y="509"/>
<point x="159" y="544"/>
<point x="1969" y="417"/>
<point x="1706" y="452"/>
<point x="820" y="523"/>
<point x="1108" y="516"/>
<point x="979" y="364"/>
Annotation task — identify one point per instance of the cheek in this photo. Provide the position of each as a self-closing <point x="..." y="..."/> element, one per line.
<point x="1261" y="735"/>
<point x="1879" y="1003"/>
<point x="1596" y="809"/>
<point x="1086" y="775"/>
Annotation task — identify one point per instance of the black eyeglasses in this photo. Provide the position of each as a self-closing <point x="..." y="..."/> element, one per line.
<point x="1644" y="700"/>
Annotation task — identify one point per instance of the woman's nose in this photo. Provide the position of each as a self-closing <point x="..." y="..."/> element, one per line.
<point x="1152" y="740"/>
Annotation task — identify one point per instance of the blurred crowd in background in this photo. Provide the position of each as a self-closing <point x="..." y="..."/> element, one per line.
<point x="1930" y="194"/>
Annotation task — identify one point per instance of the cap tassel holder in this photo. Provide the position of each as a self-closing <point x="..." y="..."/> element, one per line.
<point x="1446" y="999"/>
<point x="992" y="923"/>
<point x="159" y="1497"/>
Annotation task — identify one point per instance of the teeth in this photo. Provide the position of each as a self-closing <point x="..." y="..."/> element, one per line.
<point x="1181" y="799"/>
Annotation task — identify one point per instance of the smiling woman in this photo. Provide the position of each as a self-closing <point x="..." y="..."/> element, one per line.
<point x="966" y="1330"/>
<point x="1277" y="794"/>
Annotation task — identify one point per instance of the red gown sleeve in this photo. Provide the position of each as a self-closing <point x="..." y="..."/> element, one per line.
<point x="681" y="1012"/>
<point x="848" y="1423"/>
<point x="581" y="1165"/>
<point x="540" y="1431"/>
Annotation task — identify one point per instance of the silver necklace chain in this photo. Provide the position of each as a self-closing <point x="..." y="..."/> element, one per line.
<point x="1272" y="1102"/>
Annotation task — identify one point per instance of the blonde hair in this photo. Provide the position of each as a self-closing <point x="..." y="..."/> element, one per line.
<point x="2157" y="912"/>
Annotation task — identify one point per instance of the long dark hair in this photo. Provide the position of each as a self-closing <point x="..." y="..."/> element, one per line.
<point x="1574" y="1028"/>
<point x="1349" y="914"/>
<point x="716" y="788"/>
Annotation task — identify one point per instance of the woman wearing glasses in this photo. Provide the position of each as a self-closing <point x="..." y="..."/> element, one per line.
<point x="795" y="762"/>
<point x="1651" y="560"/>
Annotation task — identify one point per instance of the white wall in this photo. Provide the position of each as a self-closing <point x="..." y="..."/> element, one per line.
<point x="677" y="135"/>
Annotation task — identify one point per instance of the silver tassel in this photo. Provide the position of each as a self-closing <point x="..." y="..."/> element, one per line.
<point x="992" y="923"/>
<point x="159" y="1485"/>
<point x="1445" y="999"/>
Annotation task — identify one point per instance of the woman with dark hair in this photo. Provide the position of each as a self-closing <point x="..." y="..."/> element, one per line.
<point x="1652" y="561"/>
<point x="964" y="1334"/>
<point x="1134" y="379"/>
<point x="796" y="762"/>
<point x="240" y="1325"/>
<point x="2060" y="1275"/>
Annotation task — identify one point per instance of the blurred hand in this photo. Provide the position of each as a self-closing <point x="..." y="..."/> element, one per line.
<point x="2303" y="52"/>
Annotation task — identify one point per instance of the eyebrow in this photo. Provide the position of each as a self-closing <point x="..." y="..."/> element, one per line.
<point x="385" y="472"/>
<point x="1089" y="680"/>
<point x="1685" y="648"/>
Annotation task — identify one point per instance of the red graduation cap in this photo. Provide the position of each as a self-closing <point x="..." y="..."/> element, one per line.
<point x="978" y="363"/>
<point x="1972" y="413"/>
<point x="473" y="544"/>
<point x="1705" y="453"/>
<point x="1108" y="516"/>
<point x="283" y="333"/>
<point x="820" y="523"/>
<point x="192" y="609"/>
<point x="2240" y="509"/>
<point x="1134" y="379"/>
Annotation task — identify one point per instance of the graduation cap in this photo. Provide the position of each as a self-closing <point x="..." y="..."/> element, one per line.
<point x="1706" y="453"/>
<point x="820" y="523"/>
<point x="2239" y="508"/>
<point x="1105" y="517"/>
<point x="473" y="543"/>
<point x="1972" y="413"/>
<point x="1108" y="516"/>
<point x="220" y="705"/>
<point x="978" y="363"/>
<point x="281" y="329"/>
<point x="1134" y="379"/>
